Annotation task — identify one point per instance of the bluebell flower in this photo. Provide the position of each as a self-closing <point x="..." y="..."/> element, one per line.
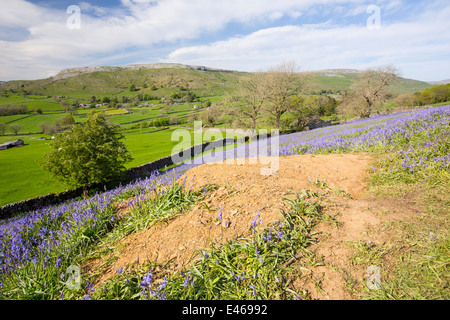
<point x="220" y="213"/>
<point x="147" y="279"/>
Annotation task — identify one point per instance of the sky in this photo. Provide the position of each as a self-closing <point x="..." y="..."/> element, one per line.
<point x="39" y="38"/>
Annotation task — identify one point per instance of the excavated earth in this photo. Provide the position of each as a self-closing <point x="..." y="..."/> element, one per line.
<point x="242" y="191"/>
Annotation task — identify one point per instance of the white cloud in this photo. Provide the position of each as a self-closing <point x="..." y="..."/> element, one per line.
<point x="35" y="40"/>
<point x="295" y="14"/>
<point x="420" y="42"/>
<point x="276" y="15"/>
<point x="44" y="40"/>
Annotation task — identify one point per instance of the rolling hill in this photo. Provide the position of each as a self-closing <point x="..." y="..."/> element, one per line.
<point x="342" y="79"/>
<point x="84" y="82"/>
<point x="114" y="81"/>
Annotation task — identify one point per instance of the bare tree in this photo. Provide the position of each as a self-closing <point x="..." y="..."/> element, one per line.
<point x="246" y="108"/>
<point x="370" y="89"/>
<point x="15" y="128"/>
<point x="3" y="128"/>
<point x="210" y="116"/>
<point x="282" y="84"/>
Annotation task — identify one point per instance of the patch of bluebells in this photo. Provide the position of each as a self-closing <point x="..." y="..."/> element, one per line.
<point x="383" y="133"/>
<point x="146" y="288"/>
<point x="377" y="131"/>
<point x="49" y="234"/>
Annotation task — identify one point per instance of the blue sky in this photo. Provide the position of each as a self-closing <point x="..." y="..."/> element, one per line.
<point x="38" y="38"/>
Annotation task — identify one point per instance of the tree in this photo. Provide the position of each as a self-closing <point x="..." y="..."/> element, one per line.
<point x="210" y="116"/>
<point x="156" y="123"/>
<point x="190" y="96"/>
<point x="246" y="107"/>
<point x="3" y="128"/>
<point x="72" y="110"/>
<point x="132" y="87"/>
<point x="15" y="128"/>
<point x="65" y="121"/>
<point x="89" y="154"/>
<point x="406" y="100"/>
<point x="370" y="89"/>
<point x="174" y="120"/>
<point x="75" y="102"/>
<point x="48" y="128"/>
<point x="44" y="126"/>
<point x="143" y="111"/>
<point x="282" y="83"/>
<point x="64" y="104"/>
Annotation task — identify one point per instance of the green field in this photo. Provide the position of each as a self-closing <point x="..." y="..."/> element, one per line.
<point x="26" y="179"/>
<point x="33" y="102"/>
<point x="20" y="173"/>
<point x="20" y="168"/>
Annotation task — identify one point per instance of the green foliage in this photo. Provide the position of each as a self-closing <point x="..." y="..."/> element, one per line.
<point x="430" y="96"/>
<point x="87" y="155"/>
<point x="13" y="109"/>
<point x="436" y="94"/>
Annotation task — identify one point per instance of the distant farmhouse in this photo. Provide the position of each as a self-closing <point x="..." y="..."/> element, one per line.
<point x="12" y="144"/>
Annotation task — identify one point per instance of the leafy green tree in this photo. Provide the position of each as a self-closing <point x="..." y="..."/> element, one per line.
<point x="132" y="87"/>
<point x="89" y="154"/>
<point x="157" y="123"/>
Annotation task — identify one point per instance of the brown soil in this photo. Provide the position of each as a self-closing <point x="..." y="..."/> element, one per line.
<point x="243" y="192"/>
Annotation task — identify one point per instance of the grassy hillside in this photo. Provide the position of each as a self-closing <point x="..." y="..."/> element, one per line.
<point x="114" y="81"/>
<point x="342" y="79"/>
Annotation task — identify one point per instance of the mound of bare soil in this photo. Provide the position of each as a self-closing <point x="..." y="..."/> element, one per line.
<point x="243" y="192"/>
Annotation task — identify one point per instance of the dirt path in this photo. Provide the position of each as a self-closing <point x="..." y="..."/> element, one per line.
<point x="243" y="192"/>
